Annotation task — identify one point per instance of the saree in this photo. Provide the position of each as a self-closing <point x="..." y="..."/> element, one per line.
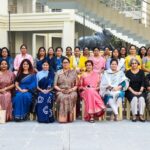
<point x="44" y="108"/>
<point x="93" y="103"/>
<point x="39" y="63"/>
<point x="56" y="63"/>
<point x="22" y="101"/>
<point x="113" y="79"/>
<point x="66" y="102"/>
<point x="147" y="84"/>
<point x="5" y="98"/>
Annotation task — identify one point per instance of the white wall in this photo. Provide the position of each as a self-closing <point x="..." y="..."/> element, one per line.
<point x="3" y="38"/>
<point x="4" y="7"/>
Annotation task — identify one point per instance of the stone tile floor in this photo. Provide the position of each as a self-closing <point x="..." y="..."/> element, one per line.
<point x="79" y="135"/>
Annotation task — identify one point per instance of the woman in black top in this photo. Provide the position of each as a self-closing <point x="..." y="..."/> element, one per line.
<point x="135" y="93"/>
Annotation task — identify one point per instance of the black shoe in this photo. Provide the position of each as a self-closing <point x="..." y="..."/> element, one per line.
<point x="134" y="120"/>
<point x="141" y="119"/>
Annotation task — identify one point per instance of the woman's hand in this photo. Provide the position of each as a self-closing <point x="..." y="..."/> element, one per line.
<point x="45" y="91"/>
<point x="2" y="90"/>
<point x="24" y="90"/>
<point x="135" y="93"/>
<point x="118" y="88"/>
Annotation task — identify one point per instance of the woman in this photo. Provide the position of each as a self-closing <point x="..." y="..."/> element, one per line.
<point x="146" y="62"/>
<point x="98" y="61"/>
<point x="121" y="61"/>
<point x="50" y="55"/>
<point x="5" y="54"/>
<point x="6" y="85"/>
<point x="107" y="53"/>
<point x="142" y="52"/>
<point x="147" y="84"/>
<point x="135" y="93"/>
<point x="77" y="62"/>
<point x="86" y="52"/>
<point x="45" y="80"/>
<point x="132" y="54"/>
<point x="56" y="62"/>
<point x="25" y="86"/>
<point x="112" y="87"/>
<point x="20" y="57"/>
<point x="41" y="57"/>
<point x="123" y="52"/>
<point x="68" y="52"/>
<point x="66" y="96"/>
<point x="88" y="86"/>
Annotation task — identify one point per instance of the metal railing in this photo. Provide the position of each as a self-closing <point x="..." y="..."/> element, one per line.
<point x="130" y="9"/>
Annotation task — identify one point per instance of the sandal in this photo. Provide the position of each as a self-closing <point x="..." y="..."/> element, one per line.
<point x="92" y="120"/>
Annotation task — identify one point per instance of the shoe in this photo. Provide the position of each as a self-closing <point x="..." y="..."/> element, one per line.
<point x="134" y="120"/>
<point x="92" y="120"/>
<point x="141" y="119"/>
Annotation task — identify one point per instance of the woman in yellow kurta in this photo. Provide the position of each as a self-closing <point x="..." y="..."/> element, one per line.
<point x="132" y="54"/>
<point x="77" y="61"/>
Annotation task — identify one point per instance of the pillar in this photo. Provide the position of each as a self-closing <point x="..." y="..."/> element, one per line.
<point x="68" y="37"/>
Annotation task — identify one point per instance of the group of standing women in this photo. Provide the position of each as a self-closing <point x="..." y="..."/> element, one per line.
<point x="98" y="80"/>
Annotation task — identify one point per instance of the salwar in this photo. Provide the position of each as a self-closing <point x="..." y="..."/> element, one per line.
<point x="138" y="104"/>
<point x="114" y="104"/>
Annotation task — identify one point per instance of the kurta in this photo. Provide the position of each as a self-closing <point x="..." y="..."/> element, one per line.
<point x="136" y="82"/>
<point x="99" y="64"/>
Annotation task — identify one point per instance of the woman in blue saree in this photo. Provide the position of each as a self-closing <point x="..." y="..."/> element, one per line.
<point x="25" y="85"/>
<point x="56" y="62"/>
<point x="41" y="57"/>
<point x="44" y="108"/>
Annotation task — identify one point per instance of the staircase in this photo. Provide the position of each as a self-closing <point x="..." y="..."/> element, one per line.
<point x="119" y="23"/>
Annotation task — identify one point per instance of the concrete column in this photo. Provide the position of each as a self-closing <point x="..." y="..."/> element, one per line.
<point x="144" y="14"/>
<point x="68" y="34"/>
<point x="19" y="6"/>
<point x="3" y="38"/>
<point x="147" y="12"/>
<point x="49" y="40"/>
<point x="18" y="41"/>
<point x="46" y="8"/>
<point x="46" y="37"/>
<point x="34" y="45"/>
<point x="33" y="6"/>
<point x="4" y="7"/>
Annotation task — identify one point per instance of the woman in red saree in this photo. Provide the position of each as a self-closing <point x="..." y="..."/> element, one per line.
<point x="89" y="87"/>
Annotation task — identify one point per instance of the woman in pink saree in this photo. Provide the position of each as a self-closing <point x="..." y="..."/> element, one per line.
<point x="6" y="85"/>
<point x="88" y="85"/>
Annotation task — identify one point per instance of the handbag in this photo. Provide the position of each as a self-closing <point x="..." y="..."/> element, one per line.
<point x="2" y="116"/>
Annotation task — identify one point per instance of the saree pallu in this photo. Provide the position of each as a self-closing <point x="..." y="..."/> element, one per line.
<point x="93" y="103"/>
<point x="44" y="108"/>
<point x="39" y="63"/>
<point x="22" y="101"/>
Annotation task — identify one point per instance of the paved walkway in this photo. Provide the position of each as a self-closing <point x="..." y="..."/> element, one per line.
<point x="105" y="135"/>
